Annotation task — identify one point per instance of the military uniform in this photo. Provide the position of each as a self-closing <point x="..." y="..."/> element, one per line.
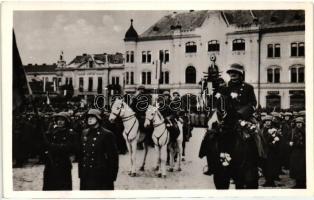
<point x="98" y="160"/>
<point x="60" y="143"/>
<point x="297" y="158"/>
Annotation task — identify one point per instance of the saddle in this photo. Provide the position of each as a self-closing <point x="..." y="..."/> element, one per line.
<point x="173" y="129"/>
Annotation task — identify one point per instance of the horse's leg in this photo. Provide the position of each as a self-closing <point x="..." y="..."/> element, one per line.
<point x="183" y="150"/>
<point x="157" y="168"/>
<point x="133" y="156"/>
<point x="179" y="147"/>
<point x="130" y="156"/>
<point x="145" y="156"/>
<point x="163" y="156"/>
<point x="171" y="153"/>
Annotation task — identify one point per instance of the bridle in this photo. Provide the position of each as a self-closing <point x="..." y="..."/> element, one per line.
<point x="127" y="118"/>
<point x="156" y="125"/>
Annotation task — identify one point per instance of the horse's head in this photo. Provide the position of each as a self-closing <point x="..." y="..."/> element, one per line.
<point x="117" y="110"/>
<point x="149" y="115"/>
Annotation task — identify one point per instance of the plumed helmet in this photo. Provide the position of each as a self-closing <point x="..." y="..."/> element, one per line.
<point x="64" y="115"/>
<point x="94" y="112"/>
<point x="236" y="68"/>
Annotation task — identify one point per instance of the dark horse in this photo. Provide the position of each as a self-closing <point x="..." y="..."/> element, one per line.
<point x="232" y="150"/>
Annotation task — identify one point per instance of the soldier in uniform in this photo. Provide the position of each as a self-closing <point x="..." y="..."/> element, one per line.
<point x="240" y="102"/>
<point x="297" y="158"/>
<point x="59" y="145"/>
<point x="139" y="104"/>
<point x="286" y="135"/>
<point x="98" y="155"/>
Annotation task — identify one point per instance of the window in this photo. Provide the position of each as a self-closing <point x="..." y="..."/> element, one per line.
<point x="90" y="84"/>
<point x="297" y="49"/>
<point x="164" y="79"/>
<point x="149" y="56"/>
<point x="99" y="86"/>
<point x="127" y="57"/>
<point x="238" y="45"/>
<point x="297" y="99"/>
<point x="273" y="75"/>
<point x="71" y="81"/>
<point x="273" y="50"/>
<point x="190" y="47"/>
<point x="213" y="45"/>
<point x="166" y="56"/>
<point x="132" y="78"/>
<point x="66" y="80"/>
<point x="190" y="75"/>
<point x="144" y="57"/>
<point x="273" y="101"/>
<point x="115" y="80"/>
<point x="132" y="57"/>
<point x="81" y="84"/>
<point x="90" y="64"/>
<point x="146" y="78"/>
<point x="297" y="74"/>
<point x="127" y="78"/>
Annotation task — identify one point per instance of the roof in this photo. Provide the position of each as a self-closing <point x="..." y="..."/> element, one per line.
<point x="190" y="20"/>
<point x="40" y="68"/>
<point x="98" y="59"/>
<point x="131" y="34"/>
<point x="186" y="21"/>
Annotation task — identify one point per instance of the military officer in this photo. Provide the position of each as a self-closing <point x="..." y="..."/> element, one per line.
<point x="98" y="160"/>
<point x="297" y="158"/>
<point x="59" y="145"/>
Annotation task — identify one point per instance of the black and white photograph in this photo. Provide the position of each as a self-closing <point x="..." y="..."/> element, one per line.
<point x="168" y="99"/>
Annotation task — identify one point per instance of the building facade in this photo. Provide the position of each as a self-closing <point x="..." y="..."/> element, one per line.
<point x="85" y="76"/>
<point x="174" y="53"/>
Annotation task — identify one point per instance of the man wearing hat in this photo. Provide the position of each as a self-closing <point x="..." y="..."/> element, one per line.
<point x="297" y="158"/>
<point x="98" y="155"/>
<point x="240" y="102"/>
<point x="59" y="145"/>
<point x="286" y="135"/>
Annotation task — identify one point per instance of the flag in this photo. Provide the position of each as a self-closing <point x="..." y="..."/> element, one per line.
<point x="20" y="85"/>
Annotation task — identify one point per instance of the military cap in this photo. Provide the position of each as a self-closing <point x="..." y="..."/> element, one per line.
<point x="295" y="113"/>
<point x="236" y="68"/>
<point x="268" y="118"/>
<point x="94" y="112"/>
<point x="299" y="120"/>
<point x="166" y="93"/>
<point x="263" y="114"/>
<point x="175" y="92"/>
<point x="287" y="114"/>
<point x="64" y="115"/>
<point x="302" y="113"/>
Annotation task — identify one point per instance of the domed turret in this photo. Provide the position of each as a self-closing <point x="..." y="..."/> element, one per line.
<point x="131" y="34"/>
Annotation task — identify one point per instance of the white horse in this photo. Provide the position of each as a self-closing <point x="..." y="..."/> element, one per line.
<point x="161" y="138"/>
<point x="131" y="131"/>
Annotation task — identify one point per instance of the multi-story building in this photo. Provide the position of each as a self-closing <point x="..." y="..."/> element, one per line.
<point x="86" y="75"/>
<point x="269" y="44"/>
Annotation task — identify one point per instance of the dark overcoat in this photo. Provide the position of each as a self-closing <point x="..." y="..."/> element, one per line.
<point x="98" y="160"/>
<point x="59" y="147"/>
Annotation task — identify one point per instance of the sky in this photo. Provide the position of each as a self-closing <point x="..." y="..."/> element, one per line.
<point x="42" y="35"/>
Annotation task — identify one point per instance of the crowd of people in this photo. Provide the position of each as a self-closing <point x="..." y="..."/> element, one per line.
<point x="241" y="144"/>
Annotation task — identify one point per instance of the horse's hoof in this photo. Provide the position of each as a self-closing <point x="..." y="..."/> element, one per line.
<point x="183" y="159"/>
<point x="133" y="174"/>
<point x="159" y="175"/>
<point x="142" y="169"/>
<point x="164" y="176"/>
<point x="156" y="168"/>
<point x="170" y="170"/>
<point x="179" y="169"/>
<point x="129" y="173"/>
